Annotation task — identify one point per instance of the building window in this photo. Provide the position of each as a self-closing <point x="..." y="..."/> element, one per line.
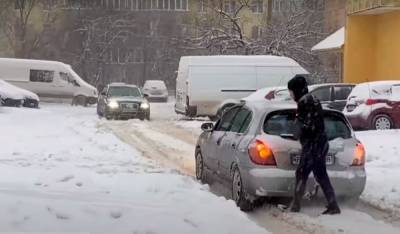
<point x="41" y="76"/>
<point x="258" y="6"/>
<point x="203" y="6"/>
<point x="256" y="32"/>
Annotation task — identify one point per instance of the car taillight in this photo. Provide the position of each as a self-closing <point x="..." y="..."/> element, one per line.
<point x="270" y="96"/>
<point x="370" y="101"/>
<point x="260" y="153"/>
<point x="359" y="155"/>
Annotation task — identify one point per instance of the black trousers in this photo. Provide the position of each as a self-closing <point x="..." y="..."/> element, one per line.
<point x="313" y="160"/>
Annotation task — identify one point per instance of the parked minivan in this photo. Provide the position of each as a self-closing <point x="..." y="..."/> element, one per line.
<point x="47" y="79"/>
<point x="204" y="82"/>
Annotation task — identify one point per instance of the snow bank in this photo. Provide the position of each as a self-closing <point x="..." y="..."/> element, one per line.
<point x="61" y="172"/>
<point x="382" y="166"/>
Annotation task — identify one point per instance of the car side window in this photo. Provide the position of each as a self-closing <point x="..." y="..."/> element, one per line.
<point x="323" y="94"/>
<point x="41" y="76"/>
<point x="342" y="92"/>
<point x="240" y="120"/>
<point x="226" y="121"/>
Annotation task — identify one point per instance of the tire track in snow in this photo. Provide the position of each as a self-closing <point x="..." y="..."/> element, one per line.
<point x="173" y="147"/>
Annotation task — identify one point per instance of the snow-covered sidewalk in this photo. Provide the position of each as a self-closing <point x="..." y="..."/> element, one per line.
<point x="383" y="168"/>
<point x="61" y="172"/>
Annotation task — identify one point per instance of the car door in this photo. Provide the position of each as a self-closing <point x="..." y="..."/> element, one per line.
<point x="340" y="95"/>
<point x="214" y="142"/>
<point x="231" y="141"/>
<point x="324" y="95"/>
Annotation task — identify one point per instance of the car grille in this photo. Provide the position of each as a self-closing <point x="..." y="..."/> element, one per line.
<point x="156" y="92"/>
<point x="129" y="106"/>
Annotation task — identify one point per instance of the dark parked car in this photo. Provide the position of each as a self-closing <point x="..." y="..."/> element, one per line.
<point x="374" y="105"/>
<point x="14" y="96"/>
<point x="119" y="100"/>
<point x="254" y="149"/>
<point x="332" y="96"/>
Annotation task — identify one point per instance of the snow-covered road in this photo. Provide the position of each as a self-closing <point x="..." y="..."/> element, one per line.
<point x="170" y="140"/>
<point x="62" y="170"/>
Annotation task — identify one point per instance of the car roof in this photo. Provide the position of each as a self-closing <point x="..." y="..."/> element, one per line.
<point x="314" y="86"/>
<point x="271" y="106"/>
<point x="122" y="85"/>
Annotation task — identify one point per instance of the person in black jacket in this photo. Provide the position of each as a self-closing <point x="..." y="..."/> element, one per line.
<point x="314" y="144"/>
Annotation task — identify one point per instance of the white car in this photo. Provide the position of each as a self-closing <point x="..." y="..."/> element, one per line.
<point x="155" y="90"/>
<point x="14" y="96"/>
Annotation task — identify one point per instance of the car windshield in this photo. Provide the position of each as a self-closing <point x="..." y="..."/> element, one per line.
<point x="124" y="91"/>
<point x="156" y="84"/>
<point x="283" y="123"/>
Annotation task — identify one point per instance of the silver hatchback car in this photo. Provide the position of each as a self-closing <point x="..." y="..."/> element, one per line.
<point x="254" y="150"/>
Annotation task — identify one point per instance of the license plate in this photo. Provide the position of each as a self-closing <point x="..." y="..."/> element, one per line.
<point x="330" y="159"/>
<point x="129" y="107"/>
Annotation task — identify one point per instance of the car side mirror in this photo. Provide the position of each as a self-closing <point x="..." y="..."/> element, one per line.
<point x="103" y="93"/>
<point x="207" y="127"/>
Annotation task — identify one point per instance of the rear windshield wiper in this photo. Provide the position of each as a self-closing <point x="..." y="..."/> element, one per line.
<point x="288" y="136"/>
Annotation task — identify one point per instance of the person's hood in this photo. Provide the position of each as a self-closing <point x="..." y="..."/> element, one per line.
<point x="298" y="85"/>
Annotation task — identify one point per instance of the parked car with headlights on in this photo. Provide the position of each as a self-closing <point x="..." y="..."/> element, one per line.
<point x="254" y="148"/>
<point x="123" y="101"/>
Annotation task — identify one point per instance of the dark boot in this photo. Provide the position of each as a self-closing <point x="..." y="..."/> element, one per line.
<point x="332" y="210"/>
<point x="294" y="206"/>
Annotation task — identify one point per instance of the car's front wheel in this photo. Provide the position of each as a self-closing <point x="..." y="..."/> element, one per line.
<point x="382" y="122"/>
<point x="239" y="194"/>
<point x="200" y="173"/>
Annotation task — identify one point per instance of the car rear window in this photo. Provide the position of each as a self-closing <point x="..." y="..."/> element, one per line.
<point x="284" y="123"/>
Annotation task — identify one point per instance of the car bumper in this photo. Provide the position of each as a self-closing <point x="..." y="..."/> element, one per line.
<point x="12" y="102"/>
<point x="273" y="182"/>
<point x="132" y="114"/>
<point x="358" y="122"/>
<point x="32" y="103"/>
<point x="157" y="98"/>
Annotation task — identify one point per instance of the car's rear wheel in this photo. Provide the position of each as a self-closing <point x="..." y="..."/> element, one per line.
<point x="79" y="100"/>
<point x="239" y="194"/>
<point x="200" y="172"/>
<point x="382" y="122"/>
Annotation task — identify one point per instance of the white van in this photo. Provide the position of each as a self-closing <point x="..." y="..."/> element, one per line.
<point x="204" y="82"/>
<point x="47" y="79"/>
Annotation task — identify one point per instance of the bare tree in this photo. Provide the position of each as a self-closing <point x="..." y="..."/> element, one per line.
<point x="221" y="31"/>
<point x="23" y="38"/>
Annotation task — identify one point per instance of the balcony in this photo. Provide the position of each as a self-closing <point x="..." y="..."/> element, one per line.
<point x="372" y="6"/>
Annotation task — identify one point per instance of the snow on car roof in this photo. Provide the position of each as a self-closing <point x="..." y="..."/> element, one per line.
<point x="260" y="94"/>
<point x="32" y="61"/>
<point x="121" y="84"/>
<point x="8" y="90"/>
<point x="266" y="60"/>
